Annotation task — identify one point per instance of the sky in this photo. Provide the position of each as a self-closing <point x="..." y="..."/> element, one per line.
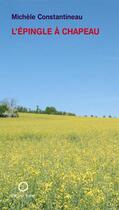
<point x="78" y="74"/>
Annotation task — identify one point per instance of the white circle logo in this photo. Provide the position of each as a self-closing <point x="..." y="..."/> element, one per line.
<point x="23" y="186"/>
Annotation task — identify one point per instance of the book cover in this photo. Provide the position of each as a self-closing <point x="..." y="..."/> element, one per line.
<point x="59" y="105"/>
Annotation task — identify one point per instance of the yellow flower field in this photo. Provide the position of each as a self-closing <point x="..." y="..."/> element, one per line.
<point x="59" y="163"/>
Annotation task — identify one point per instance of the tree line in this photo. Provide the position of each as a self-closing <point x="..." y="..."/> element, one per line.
<point x="48" y="110"/>
<point x="8" y="108"/>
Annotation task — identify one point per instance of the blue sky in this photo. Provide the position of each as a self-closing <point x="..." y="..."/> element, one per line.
<point x="79" y="74"/>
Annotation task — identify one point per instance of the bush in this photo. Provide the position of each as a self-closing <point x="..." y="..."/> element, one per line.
<point x="3" y="109"/>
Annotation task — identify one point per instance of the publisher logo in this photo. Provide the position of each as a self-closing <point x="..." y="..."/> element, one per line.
<point x="23" y="186"/>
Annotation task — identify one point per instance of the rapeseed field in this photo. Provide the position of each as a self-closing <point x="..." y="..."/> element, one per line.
<point x="59" y="163"/>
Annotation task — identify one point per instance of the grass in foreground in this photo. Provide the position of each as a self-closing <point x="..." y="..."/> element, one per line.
<point x="59" y="162"/>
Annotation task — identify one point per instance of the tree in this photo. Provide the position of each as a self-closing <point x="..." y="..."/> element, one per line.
<point x="50" y="110"/>
<point x="11" y="103"/>
<point x="22" y="109"/>
<point x="8" y="108"/>
<point x="38" y="110"/>
<point x="3" y="109"/>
